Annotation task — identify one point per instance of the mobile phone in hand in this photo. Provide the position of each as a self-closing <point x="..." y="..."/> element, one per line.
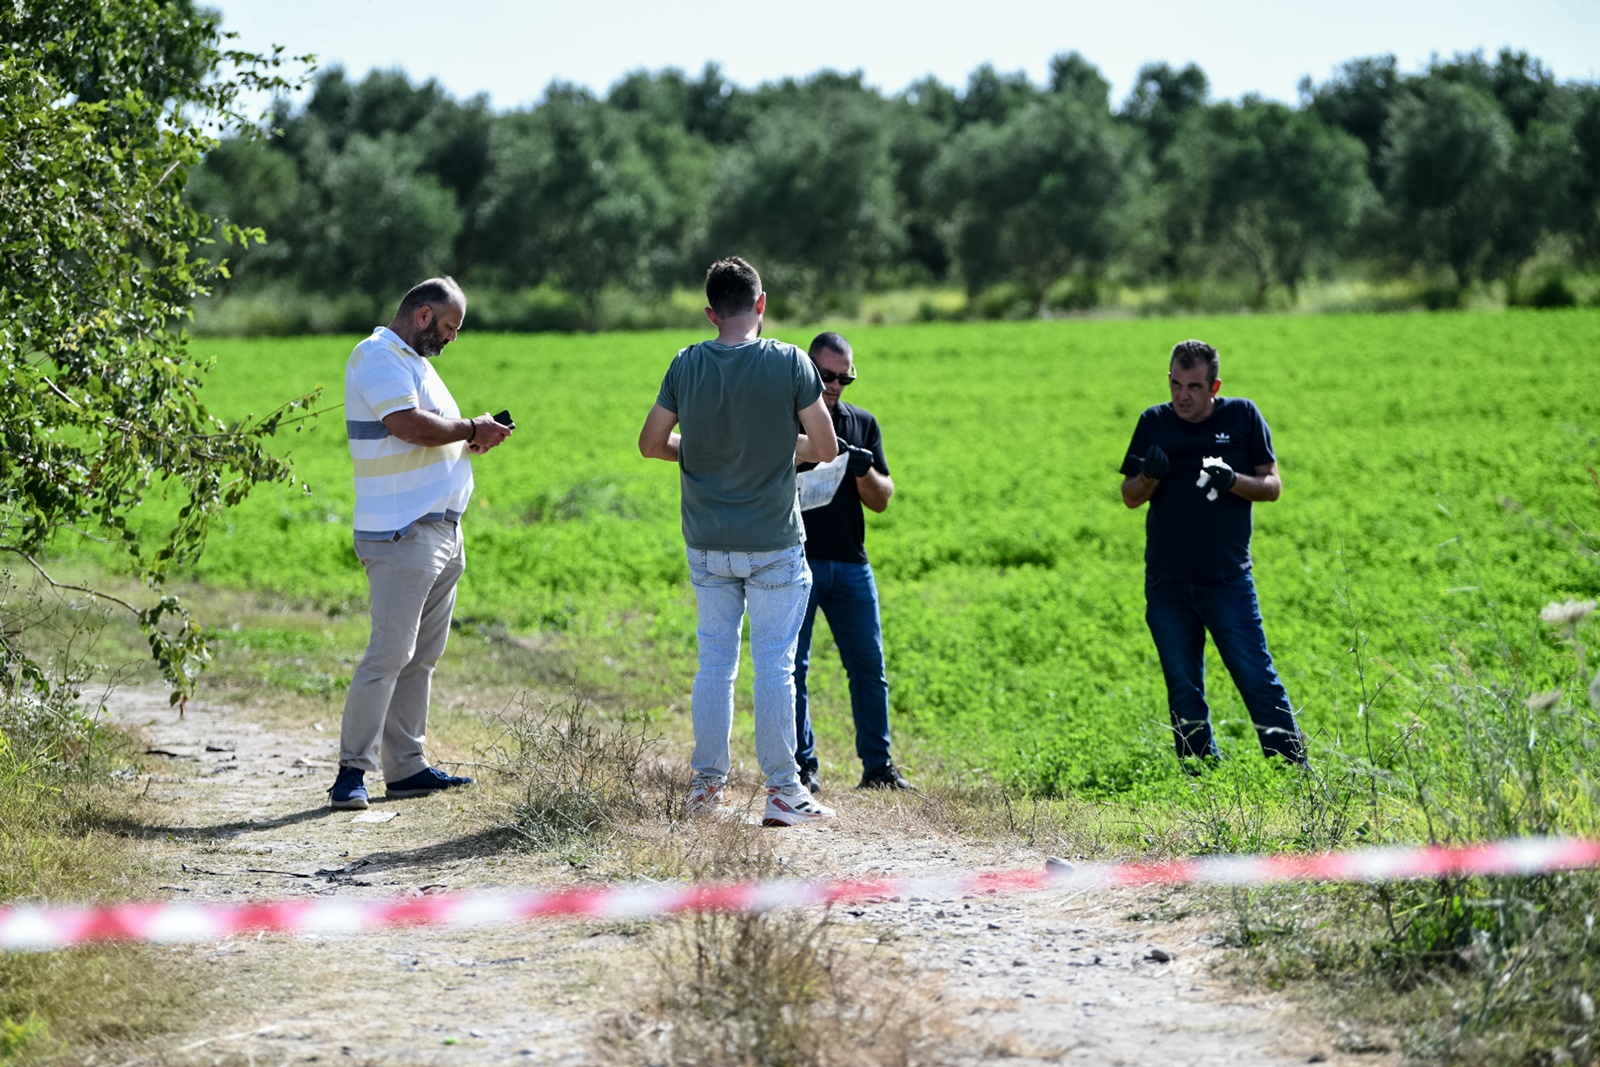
<point x="504" y="419"/>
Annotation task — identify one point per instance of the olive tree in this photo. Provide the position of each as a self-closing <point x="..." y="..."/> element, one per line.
<point x="586" y="195"/>
<point x="1272" y="190"/>
<point x="810" y="197"/>
<point x="1448" y="153"/>
<point x="1041" y="195"/>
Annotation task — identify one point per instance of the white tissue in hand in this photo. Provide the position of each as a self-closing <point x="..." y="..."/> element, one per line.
<point x="1205" y="477"/>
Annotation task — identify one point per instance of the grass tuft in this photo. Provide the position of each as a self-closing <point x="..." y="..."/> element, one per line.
<point x="786" y="989"/>
<point x="781" y="990"/>
<point x="578" y="777"/>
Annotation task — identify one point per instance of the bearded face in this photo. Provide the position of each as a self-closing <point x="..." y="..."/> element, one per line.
<point x="431" y="341"/>
<point x="442" y="328"/>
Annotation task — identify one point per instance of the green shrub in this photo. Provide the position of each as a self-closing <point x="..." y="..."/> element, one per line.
<point x="902" y="306"/>
<point x="1076" y="292"/>
<point x="21" y="1038"/>
<point x="1441" y="296"/>
<point x="1552" y="292"/>
<point x="283" y="311"/>
<point x="541" y="309"/>
<point x="625" y="309"/>
<point x="1006" y="300"/>
<point x="942" y="306"/>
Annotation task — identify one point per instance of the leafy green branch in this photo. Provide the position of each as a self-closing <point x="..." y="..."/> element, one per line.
<point x="106" y="106"/>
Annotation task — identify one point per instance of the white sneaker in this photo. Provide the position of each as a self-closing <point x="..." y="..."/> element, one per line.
<point x="706" y="798"/>
<point x="793" y="806"/>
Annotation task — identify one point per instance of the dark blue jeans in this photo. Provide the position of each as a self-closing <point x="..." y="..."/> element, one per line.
<point x="848" y="597"/>
<point x="1180" y="614"/>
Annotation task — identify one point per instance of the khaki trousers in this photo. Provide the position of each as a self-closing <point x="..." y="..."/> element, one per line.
<point x="413" y="583"/>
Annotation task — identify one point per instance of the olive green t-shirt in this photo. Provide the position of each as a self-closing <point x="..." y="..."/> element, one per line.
<point x="738" y="409"/>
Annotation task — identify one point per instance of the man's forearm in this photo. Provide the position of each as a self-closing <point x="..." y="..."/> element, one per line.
<point x="810" y="448"/>
<point x="1137" y="490"/>
<point x="667" y="450"/>
<point x="427" y="429"/>
<point x="1260" y="489"/>
<point x="815" y="443"/>
<point x="875" y="489"/>
<point x="657" y="438"/>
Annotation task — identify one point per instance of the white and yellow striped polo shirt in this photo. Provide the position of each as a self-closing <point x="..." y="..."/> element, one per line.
<point x="398" y="484"/>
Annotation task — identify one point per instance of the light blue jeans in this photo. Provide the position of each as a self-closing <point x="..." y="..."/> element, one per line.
<point x="772" y="587"/>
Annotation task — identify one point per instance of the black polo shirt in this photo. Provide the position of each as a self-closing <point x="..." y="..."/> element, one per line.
<point x="1187" y="537"/>
<point x="837" y="530"/>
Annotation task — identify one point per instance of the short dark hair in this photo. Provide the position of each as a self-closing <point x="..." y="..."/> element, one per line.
<point x="434" y="293"/>
<point x="1189" y="354"/>
<point x="829" y="339"/>
<point x="732" y="286"/>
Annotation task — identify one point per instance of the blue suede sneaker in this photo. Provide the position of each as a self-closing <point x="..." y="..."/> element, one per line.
<point x="428" y="780"/>
<point x="349" y="790"/>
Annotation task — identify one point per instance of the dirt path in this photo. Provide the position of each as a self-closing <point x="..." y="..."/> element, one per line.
<point x="1032" y="979"/>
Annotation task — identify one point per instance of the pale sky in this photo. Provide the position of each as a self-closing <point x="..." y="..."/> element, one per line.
<point x="512" y="50"/>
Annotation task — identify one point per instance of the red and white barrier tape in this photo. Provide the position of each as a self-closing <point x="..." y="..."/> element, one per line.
<point x="44" y="928"/>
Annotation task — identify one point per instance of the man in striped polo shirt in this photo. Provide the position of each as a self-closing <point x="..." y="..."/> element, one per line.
<point x="410" y="446"/>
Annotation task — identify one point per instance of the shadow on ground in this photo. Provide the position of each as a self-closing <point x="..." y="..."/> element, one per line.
<point x="144" y="831"/>
<point x="489" y="842"/>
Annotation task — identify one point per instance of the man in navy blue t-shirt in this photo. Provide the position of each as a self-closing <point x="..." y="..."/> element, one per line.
<point x="843" y="585"/>
<point x="1200" y="461"/>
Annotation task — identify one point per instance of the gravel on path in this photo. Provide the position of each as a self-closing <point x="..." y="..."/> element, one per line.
<point x="241" y="813"/>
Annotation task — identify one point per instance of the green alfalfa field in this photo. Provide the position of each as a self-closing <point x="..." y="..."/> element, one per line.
<point x="1438" y="492"/>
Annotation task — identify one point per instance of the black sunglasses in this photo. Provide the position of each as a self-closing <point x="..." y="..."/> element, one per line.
<point x="830" y="376"/>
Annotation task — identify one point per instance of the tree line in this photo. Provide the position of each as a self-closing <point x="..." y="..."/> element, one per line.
<point x="1462" y="172"/>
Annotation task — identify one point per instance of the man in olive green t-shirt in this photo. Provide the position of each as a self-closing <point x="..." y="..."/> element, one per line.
<point x="748" y="408"/>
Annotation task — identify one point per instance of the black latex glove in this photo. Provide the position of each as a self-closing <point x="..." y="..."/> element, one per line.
<point x="1155" y="464"/>
<point x="860" y="460"/>
<point x="1222" y="476"/>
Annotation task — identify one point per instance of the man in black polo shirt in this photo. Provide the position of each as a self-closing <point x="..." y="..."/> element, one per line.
<point x="1200" y="461"/>
<point x="842" y="582"/>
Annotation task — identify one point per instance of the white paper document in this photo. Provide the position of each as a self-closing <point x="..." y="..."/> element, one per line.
<point x="817" y="486"/>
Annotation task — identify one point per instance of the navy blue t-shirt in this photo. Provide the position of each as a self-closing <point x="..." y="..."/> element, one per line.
<point x="1187" y="537"/>
<point x="837" y="530"/>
